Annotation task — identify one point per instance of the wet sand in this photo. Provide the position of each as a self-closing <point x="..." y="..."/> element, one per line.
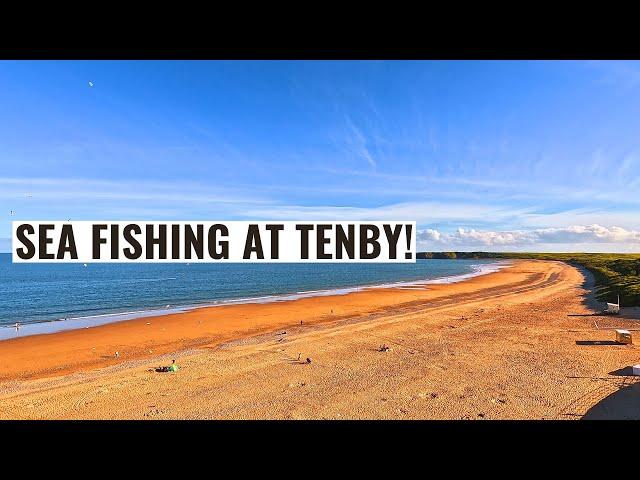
<point x="519" y="343"/>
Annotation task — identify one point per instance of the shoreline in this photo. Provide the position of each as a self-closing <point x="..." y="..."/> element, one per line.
<point x="519" y="343"/>
<point x="68" y="351"/>
<point x="47" y="327"/>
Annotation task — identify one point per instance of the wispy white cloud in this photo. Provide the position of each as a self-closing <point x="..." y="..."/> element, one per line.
<point x="627" y="218"/>
<point x="421" y="212"/>
<point x="357" y="143"/>
<point x="122" y="190"/>
<point x="85" y="199"/>
<point x="576" y="234"/>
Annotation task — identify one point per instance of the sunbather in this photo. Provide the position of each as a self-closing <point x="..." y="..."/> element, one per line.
<point x="171" y="368"/>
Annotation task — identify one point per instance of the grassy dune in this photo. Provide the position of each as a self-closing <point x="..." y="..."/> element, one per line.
<point x="615" y="273"/>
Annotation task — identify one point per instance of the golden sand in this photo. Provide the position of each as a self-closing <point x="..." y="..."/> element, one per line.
<point x="519" y="343"/>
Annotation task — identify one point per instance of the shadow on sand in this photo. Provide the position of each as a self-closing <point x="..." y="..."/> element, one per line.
<point x="589" y="299"/>
<point x="590" y="302"/>
<point x="621" y="405"/>
<point x="623" y="372"/>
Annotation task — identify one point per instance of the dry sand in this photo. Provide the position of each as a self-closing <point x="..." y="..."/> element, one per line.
<point x="520" y="343"/>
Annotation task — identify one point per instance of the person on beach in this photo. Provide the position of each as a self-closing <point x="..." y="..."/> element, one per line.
<point x="171" y="368"/>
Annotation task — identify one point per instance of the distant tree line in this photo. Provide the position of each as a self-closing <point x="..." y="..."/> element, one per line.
<point x="615" y="273"/>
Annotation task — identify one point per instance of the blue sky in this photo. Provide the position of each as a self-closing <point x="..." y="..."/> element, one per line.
<point x="483" y="155"/>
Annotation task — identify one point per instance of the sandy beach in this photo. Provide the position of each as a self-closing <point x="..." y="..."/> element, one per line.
<point x="522" y="343"/>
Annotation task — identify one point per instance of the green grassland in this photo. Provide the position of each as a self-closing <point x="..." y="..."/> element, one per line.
<point x="615" y="273"/>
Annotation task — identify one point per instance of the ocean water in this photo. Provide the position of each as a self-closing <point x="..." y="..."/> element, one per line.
<point x="50" y="297"/>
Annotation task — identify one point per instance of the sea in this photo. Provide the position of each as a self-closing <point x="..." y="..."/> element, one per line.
<point x="45" y="298"/>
